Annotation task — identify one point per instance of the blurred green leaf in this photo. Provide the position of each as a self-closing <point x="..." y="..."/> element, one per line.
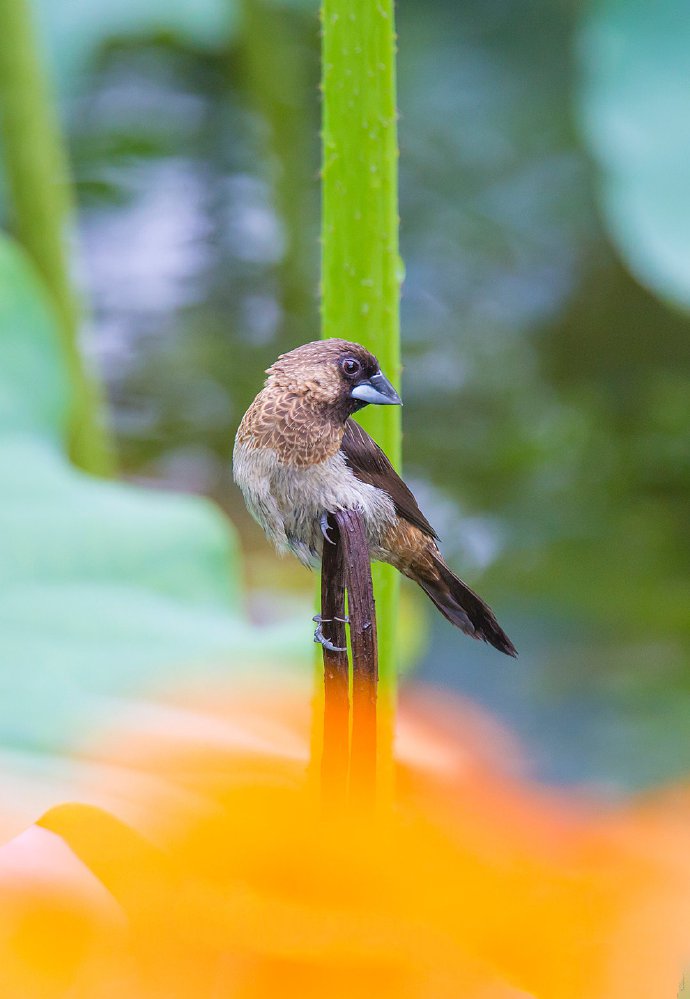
<point x="633" y="104"/>
<point x="41" y="212"/>
<point x="33" y="375"/>
<point x="106" y="589"/>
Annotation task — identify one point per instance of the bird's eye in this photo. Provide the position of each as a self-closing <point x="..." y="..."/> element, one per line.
<point x="351" y="366"/>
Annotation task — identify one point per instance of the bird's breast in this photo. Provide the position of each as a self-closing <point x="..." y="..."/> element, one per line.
<point x="289" y="499"/>
<point x="285" y="425"/>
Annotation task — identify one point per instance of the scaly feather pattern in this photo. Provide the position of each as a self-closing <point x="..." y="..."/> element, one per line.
<point x="298" y="455"/>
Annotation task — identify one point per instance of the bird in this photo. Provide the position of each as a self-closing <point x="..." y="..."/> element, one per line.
<point x="299" y="455"/>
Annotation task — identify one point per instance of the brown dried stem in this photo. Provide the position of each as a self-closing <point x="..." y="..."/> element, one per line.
<point x="336" y="716"/>
<point x="346" y="566"/>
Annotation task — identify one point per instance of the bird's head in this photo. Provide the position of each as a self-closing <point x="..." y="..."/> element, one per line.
<point x="334" y="376"/>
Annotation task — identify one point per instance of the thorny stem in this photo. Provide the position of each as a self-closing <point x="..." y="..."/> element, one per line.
<point x="361" y="269"/>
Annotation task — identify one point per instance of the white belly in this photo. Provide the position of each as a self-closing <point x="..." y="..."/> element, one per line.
<point x="289" y="501"/>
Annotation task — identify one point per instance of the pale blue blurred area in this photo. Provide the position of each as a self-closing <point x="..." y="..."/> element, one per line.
<point x="633" y="106"/>
<point x="75" y="31"/>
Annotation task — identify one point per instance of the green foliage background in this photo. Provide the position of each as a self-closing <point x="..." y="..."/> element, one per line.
<point x="545" y="331"/>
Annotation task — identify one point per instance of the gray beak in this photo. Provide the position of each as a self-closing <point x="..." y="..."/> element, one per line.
<point x="376" y="390"/>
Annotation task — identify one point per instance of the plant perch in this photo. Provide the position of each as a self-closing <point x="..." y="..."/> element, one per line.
<point x="361" y="268"/>
<point x="346" y="568"/>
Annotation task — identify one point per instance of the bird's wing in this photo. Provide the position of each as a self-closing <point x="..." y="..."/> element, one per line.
<point x="370" y="465"/>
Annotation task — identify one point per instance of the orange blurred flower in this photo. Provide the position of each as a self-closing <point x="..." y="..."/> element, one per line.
<point x="214" y="873"/>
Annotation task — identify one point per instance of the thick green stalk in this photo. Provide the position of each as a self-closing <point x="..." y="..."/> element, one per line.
<point x="361" y="268"/>
<point x="35" y="164"/>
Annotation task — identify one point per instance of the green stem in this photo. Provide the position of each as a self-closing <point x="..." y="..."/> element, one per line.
<point x="37" y="174"/>
<point x="361" y="270"/>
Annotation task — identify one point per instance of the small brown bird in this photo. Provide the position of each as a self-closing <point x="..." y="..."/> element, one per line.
<point x="299" y="456"/>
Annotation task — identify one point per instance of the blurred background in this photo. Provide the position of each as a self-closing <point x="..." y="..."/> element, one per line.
<point x="544" y="231"/>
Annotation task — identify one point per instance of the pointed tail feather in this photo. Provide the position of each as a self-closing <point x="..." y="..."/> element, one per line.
<point x="463" y="607"/>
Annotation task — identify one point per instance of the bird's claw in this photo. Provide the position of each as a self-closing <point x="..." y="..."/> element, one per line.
<point x="319" y="636"/>
<point x="323" y="521"/>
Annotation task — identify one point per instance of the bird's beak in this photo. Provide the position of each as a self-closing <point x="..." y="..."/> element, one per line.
<point x="376" y="390"/>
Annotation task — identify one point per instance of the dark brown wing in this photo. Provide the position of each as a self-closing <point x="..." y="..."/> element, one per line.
<point x="370" y="464"/>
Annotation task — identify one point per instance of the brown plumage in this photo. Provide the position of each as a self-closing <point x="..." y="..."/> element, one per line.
<point x="298" y="456"/>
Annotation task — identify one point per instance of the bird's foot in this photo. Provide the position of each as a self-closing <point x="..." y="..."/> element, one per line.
<point x="323" y="521"/>
<point x="319" y="636"/>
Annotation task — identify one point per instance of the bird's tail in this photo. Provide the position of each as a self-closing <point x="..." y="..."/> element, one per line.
<point x="461" y="605"/>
